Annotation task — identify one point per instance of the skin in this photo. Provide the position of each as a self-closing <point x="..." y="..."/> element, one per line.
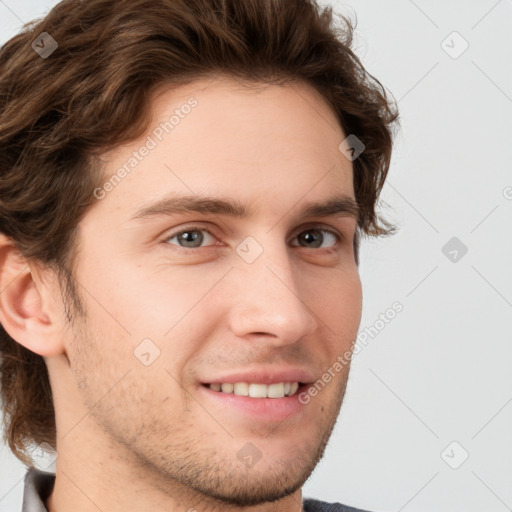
<point x="132" y="437"/>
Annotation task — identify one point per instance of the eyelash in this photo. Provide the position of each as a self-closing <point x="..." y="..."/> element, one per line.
<point x="186" y="250"/>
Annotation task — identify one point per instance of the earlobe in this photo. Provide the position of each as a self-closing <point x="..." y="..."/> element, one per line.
<point x="24" y="313"/>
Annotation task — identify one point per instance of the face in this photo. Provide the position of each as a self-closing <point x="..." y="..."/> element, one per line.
<point x="176" y="300"/>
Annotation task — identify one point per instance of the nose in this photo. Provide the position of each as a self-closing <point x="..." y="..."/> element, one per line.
<point x="267" y="299"/>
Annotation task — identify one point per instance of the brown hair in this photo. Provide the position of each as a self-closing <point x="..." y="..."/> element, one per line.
<point x="59" y="112"/>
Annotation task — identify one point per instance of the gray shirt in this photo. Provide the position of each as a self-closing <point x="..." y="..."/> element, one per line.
<point x="39" y="485"/>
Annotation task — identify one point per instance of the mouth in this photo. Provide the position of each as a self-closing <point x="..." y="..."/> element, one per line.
<point x="256" y="402"/>
<point x="264" y="394"/>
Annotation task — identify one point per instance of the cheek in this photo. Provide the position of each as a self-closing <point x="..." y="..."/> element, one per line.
<point x="144" y="302"/>
<point x="341" y="295"/>
<point x="339" y="308"/>
<point x="143" y="374"/>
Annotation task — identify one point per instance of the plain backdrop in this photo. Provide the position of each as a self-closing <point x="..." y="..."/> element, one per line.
<point x="426" y="423"/>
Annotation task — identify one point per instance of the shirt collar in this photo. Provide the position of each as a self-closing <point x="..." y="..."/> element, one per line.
<point x="38" y="486"/>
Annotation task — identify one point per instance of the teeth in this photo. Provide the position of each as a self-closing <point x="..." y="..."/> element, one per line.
<point x="227" y="388"/>
<point x="241" y="389"/>
<point x="278" y="390"/>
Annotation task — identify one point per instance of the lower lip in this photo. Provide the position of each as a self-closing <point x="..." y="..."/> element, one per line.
<point x="266" y="409"/>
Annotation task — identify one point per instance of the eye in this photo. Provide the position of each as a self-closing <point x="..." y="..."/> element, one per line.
<point x="314" y="239"/>
<point x="189" y="237"/>
<point x="192" y="237"/>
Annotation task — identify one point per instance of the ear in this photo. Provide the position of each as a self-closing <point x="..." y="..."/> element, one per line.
<point x="28" y="306"/>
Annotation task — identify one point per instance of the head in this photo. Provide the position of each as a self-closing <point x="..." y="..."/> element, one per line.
<point x="106" y="297"/>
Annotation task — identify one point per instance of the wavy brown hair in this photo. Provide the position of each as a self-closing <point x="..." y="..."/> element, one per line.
<point x="59" y="114"/>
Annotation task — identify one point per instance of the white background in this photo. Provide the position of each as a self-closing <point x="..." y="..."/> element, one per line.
<point x="441" y="370"/>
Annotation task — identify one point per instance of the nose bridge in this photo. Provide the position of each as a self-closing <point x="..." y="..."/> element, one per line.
<point x="266" y="298"/>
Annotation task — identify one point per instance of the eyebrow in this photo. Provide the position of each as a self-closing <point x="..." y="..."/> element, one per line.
<point x="339" y="205"/>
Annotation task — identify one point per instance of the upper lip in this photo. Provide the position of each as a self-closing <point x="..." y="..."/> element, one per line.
<point x="265" y="376"/>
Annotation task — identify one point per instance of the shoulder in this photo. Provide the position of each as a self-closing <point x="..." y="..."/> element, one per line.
<point x="312" y="505"/>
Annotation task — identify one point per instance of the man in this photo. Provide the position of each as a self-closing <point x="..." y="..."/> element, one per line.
<point x="182" y="197"/>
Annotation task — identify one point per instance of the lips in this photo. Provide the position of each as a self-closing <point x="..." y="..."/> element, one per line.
<point x="254" y="409"/>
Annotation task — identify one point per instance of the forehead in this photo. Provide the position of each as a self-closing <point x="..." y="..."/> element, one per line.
<point x="223" y="138"/>
<point x="289" y="117"/>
